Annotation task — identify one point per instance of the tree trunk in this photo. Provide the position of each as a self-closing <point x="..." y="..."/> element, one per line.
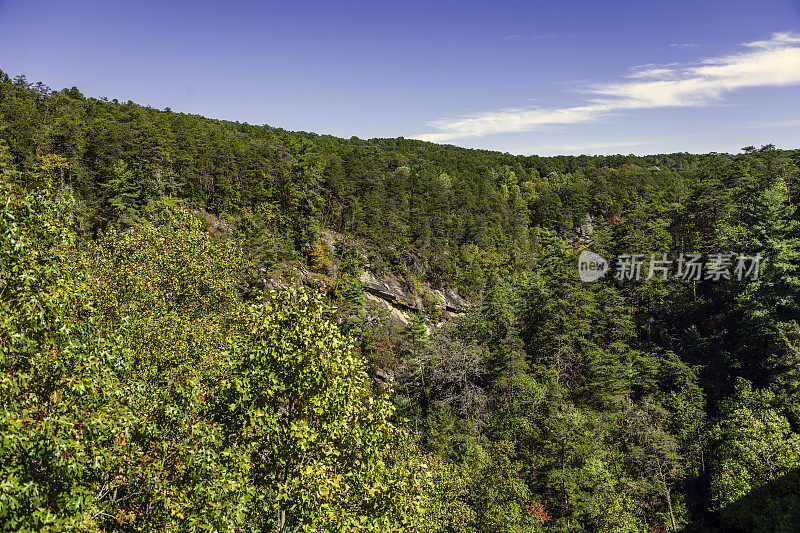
<point x="671" y="515"/>
<point x="281" y="520"/>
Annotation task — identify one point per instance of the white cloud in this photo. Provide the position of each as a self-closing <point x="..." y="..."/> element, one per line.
<point x="773" y="62"/>
<point x="651" y="71"/>
<point x="777" y="124"/>
<point x="517" y="36"/>
<point x="553" y="35"/>
<point x="784" y="37"/>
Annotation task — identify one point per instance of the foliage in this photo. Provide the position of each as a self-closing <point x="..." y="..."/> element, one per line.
<point x="64" y="416"/>
<point x="152" y="382"/>
<point x="299" y="417"/>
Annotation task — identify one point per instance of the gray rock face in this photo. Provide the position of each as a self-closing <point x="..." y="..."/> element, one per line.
<point x="586" y="228"/>
<point x="451" y="301"/>
<point x="397" y="317"/>
<point x="393" y="292"/>
<point x="390" y="291"/>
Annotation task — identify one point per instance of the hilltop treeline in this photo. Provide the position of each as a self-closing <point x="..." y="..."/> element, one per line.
<point x="439" y="213"/>
<point x="152" y="381"/>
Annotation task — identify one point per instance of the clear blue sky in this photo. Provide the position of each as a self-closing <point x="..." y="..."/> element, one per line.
<point x="524" y="77"/>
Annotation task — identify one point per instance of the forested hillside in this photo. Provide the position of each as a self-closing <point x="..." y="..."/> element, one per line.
<point x="186" y="344"/>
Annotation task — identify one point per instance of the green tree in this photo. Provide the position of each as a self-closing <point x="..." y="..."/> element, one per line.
<point x="752" y="445"/>
<point x="64" y="415"/>
<point x="316" y="446"/>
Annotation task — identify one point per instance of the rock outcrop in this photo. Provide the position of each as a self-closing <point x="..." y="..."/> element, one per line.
<point x="400" y="301"/>
<point x="392" y="291"/>
<point x="585" y="229"/>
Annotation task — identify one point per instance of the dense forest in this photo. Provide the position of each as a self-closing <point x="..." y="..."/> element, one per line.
<point x="184" y="347"/>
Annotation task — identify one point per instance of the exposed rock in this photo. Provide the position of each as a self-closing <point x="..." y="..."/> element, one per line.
<point x="400" y="300"/>
<point x="391" y="291"/>
<point x="387" y="376"/>
<point x="451" y="301"/>
<point x="585" y="229"/>
<point x="398" y="318"/>
<point x="391" y="294"/>
<point x="332" y="239"/>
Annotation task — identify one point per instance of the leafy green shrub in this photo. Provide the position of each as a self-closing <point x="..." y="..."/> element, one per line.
<point x="63" y="417"/>
<point x="314" y="443"/>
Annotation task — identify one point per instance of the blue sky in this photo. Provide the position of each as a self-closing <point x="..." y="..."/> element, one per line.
<point x="546" y="78"/>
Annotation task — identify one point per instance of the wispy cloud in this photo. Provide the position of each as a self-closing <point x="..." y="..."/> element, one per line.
<point x="772" y="62"/>
<point x="553" y="35"/>
<point x="683" y="45"/>
<point x="777" y="124"/>
<point x="651" y="71"/>
<point x="517" y="36"/>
